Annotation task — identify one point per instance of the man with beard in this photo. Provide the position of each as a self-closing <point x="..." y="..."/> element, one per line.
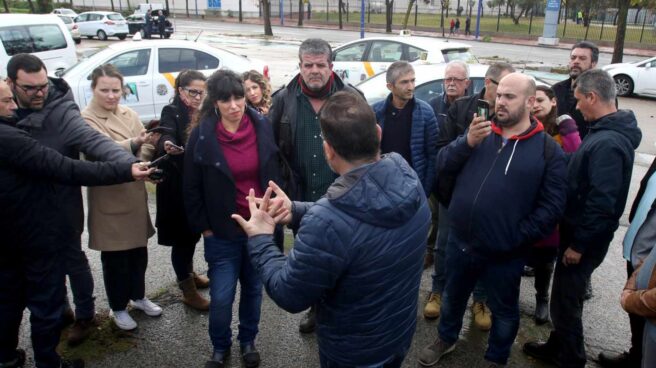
<point x="583" y="57"/>
<point x="508" y="163"/>
<point x="460" y="116"/>
<point x="408" y="124"/>
<point x="48" y="112"/>
<point x="295" y="117"/>
<point x="599" y="174"/>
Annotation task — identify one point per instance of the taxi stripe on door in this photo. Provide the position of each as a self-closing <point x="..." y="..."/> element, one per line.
<point x="170" y="78"/>
<point x="368" y="69"/>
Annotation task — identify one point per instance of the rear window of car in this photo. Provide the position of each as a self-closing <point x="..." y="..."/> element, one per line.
<point x="459" y="54"/>
<point x="32" y="38"/>
<point x="115" y="16"/>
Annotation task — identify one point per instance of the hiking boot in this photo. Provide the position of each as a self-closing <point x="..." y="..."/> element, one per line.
<point x="17" y="362"/>
<point x="541" y="351"/>
<point x="190" y="295"/>
<point x="432" y="308"/>
<point x="250" y="356"/>
<point x="67" y="317"/>
<point x="123" y="320"/>
<point x="148" y="307"/>
<point x="76" y="363"/>
<point x="432" y="354"/>
<point x="309" y="321"/>
<point x="622" y="360"/>
<point x="81" y="329"/>
<point x="201" y="281"/>
<point x="218" y="359"/>
<point x="482" y="316"/>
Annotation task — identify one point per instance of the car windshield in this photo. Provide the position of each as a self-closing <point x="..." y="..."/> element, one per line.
<point x="66" y="20"/>
<point x="459" y="54"/>
<point x="115" y="16"/>
<point x="85" y="60"/>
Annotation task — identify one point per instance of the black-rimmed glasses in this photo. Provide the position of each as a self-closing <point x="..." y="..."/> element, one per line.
<point x="453" y="80"/>
<point x="32" y="90"/>
<point x="493" y="81"/>
<point x="194" y="92"/>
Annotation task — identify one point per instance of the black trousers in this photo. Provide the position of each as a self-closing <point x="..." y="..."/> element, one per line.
<point x="124" y="273"/>
<point x="569" y="284"/>
<point x="35" y="281"/>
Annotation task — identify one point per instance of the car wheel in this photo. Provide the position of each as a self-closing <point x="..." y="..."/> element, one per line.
<point x="122" y="37"/>
<point x="167" y="35"/>
<point x="102" y="36"/>
<point x="624" y="85"/>
<point x="78" y="41"/>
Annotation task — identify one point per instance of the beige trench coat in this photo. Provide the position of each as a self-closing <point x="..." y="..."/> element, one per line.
<point x="118" y="214"/>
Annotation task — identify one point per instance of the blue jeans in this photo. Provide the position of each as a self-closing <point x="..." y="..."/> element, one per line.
<point x="394" y="361"/>
<point x="228" y="261"/>
<point x="501" y="280"/>
<point x="440" y="266"/>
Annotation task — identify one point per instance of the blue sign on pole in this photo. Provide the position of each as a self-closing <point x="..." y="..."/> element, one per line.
<point x="553" y="5"/>
<point x="478" y="18"/>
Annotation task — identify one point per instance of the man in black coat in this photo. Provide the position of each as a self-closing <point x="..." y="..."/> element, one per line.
<point x="31" y="259"/>
<point x="599" y="174"/>
<point x="48" y="112"/>
<point x="584" y="56"/>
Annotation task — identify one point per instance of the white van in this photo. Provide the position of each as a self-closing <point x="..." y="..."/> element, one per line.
<point x="43" y="35"/>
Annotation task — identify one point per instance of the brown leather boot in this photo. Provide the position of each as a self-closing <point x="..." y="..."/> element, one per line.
<point x="190" y="295"/>
<point x="201" y="281"/>
<point x="81" y="329"/>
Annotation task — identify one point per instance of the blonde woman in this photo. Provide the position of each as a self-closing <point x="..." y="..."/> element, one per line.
<point x="258" y="91"/>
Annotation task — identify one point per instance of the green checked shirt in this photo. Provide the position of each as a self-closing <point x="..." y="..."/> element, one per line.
<point x="316" y="175"/>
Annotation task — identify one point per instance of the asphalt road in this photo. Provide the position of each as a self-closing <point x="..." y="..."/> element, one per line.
<point x="179" y="338"/>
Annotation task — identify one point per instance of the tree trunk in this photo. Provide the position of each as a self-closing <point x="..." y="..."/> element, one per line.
<point x="339" y="11"/>
<point x="621" y="31"/>
<point x="4" y="2"/>
<point x="411" y="3"/>
<point x="187" y="7"/>
<point x="389" y="13"/>
<point x="635" y="20"/>
<point x="266" y="13"/>
<point x="112" y="3"/>
<point x="301" y="9"/>
<point x="42" y="6"/>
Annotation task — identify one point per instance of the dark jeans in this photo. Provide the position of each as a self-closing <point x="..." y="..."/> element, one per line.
<point x="228" y="261"/>
<point x="501" y="280"/>
<point x="182" y="259"/>
<point x="38" y="283"/>
<point x="124" y="273"/>
<point x="569" y="284"/>
<point x="394" y="361"/>
<point x="637" y="324"/>
<point x="79" y="275"/>
<point x="440" y="266"/>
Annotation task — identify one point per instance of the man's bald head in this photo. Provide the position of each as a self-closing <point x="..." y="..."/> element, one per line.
<point x="7" y="103"/>
<point x="520" y="83"/>
<point x="514" y="100"/>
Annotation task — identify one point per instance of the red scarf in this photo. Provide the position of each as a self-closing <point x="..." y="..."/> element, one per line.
<point x="320" y="94"/>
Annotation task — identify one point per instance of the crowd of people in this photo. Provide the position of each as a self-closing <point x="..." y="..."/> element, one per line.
<point x="513" y="177"/>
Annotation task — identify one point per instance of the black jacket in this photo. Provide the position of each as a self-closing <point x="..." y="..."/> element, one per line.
<point x="172" y="224"/>
<point x="599" y="174"/>
<point x="209" y="188"/>
<point x="283" y="117"/>
<point x="29" y="197"/>
<point x="458" y="118"/>
<point x="641" y="191"/>
<point x="59" y="126"/>
<point x="567" y="105"/>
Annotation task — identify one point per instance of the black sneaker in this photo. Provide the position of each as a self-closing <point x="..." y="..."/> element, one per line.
<point x="218" y="359"/>
<point x="250" y="355"/>
<point x="541" y="351"/>
<point x="432" y="354"/>
<point x="76" y="363"/>
<point x="623" y="360"/>
<point x="18" y="362"/>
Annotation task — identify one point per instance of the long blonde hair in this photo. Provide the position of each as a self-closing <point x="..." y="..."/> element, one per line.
<point x="256" y="77"/>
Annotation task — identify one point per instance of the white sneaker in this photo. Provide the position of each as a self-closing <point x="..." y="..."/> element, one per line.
<point x="148" y="307"/>
<point x="123" y="320"/>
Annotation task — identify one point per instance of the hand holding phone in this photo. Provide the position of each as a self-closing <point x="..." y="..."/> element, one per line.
<point x="483" y="109"/>
<point x="172" y="149"/>
<point x="479" y="128"/>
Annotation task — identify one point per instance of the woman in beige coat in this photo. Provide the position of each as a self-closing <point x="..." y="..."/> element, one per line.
<point x="119" y="223"/>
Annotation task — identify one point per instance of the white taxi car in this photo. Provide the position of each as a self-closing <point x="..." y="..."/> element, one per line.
<point x="638" y="77"/>
<point x="102" y="24"/>
<point x="149" y="70"/>
<point x="359" y="60"/>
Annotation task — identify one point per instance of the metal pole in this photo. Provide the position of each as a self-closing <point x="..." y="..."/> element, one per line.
<point x="478" y="18"/>
<point x="361" y="18"/>
<point x="416" y="11"/>
<point x="327" y="9"/>
<point x="281" y="12"/>
<point x="498" y="17"/>
<point x="369" y="11"/>
<point x="565" y="20"/>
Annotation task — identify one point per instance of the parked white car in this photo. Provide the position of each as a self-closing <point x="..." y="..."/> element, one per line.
<point x="149" y="69"/>
<point x="638" y="77"/>
<point x="72" y="28"/>
<point x="65" y="11"/>
<point x="358" y="60"/>
<point x="102" y="24"/>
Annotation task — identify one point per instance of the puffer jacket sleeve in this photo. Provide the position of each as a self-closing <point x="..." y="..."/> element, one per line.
<point x="314" y="265"/>
<point x="452" y="157"/>
<point x="606" y="161"/>
<point x="26" y="155"/>
<point x="431" y="132"/>
<point x="550" y="202"/>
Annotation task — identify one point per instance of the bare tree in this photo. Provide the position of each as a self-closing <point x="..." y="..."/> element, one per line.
<point x="266" y="13"/>
<point x="29" y="2"/>
<point x="389" y="13"/>
<point x="411" y="3"/>
<point x="618" y="51"/>
<point x="186" y="7"/>
<point x="4" y="2"/>
<point x="301" y="9"/>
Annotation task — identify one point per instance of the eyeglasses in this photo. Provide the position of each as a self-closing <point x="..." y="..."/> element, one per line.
<point x="194" y="92"/>
<point x="32" y="90"/>
<point x="493" y="81"/>
<point x="453" y="80"/>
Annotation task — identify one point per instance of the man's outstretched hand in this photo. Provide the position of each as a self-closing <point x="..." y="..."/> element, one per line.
<point x="261" y="222"/>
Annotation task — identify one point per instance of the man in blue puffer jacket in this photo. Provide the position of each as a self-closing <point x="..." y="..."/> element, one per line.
<point x="409" y="125"/>
<point x="510" y="190"/>
<point x="358" y="253"/>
